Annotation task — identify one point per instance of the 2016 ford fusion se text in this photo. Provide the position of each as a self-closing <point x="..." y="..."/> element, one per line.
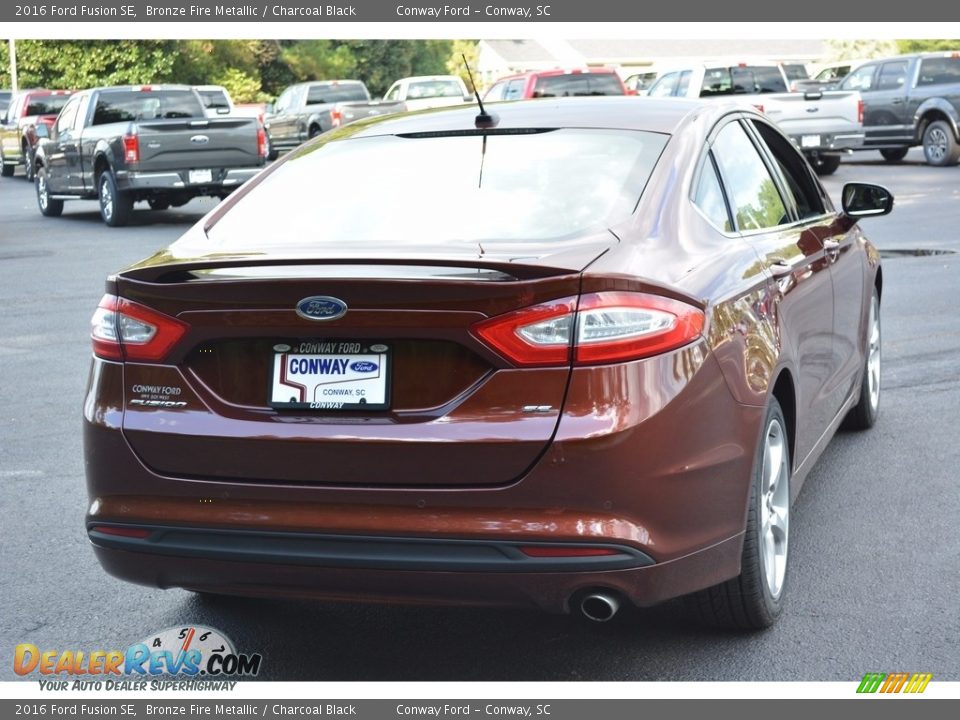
<point x="576" y="354"/>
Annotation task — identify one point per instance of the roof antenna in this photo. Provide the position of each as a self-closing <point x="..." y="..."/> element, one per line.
<point x="483" y="119"/>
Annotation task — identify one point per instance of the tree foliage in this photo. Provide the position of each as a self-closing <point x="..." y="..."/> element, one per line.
<point x="460" y="49"/>
<point x="253" y="70"/>
<point x="915" y="46"/>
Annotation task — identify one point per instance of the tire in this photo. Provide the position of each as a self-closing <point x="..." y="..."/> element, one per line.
<point x="825" y="164"/>
<point x="940" y="147"/>
<point x="314" y="131"/>
<point x="28" y="160"/>
<point x="754" y="599"/>
<point x="272" y="154"/>
<point x="863" y="415"/>
<point x="158" y="203"/>
<point x="894" y="154"/>
<point x="115" y="206"/>
<point x="48" y="206"/>
<point x="6" y="170"/>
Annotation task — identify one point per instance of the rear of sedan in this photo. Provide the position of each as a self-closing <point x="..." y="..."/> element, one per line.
<point x="375" y="373"/>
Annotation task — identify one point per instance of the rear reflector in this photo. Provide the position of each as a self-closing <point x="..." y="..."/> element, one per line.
<point x="601" y="328"/>
<point x="125" y="330"/>
<point x="562" y="551"/>
<point x="121" y="531"/>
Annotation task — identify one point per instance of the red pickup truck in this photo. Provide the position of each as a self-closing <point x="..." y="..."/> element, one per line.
<point x="18" y="133"/>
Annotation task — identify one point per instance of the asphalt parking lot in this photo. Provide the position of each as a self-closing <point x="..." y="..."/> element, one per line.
<point x="875" y="551"/>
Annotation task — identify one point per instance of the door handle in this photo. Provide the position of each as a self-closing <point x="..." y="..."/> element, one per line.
<point x="780" y="268"/>
<point x="897" y="101"/>
<point x="831" y="248"/>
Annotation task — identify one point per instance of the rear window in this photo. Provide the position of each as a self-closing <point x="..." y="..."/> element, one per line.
<point x="577" y="84"/>
<point x="939" y="71"/>
<point x="434" y="88"/>
<point x="322" y="94"/>
<point x="795" y="72"/>
<point x="46" y="105"/>
<point x="128" y="106"/>
<point x="213" y="99"/>
<point x="445" y="190"/>
<point x="742" y="80"/>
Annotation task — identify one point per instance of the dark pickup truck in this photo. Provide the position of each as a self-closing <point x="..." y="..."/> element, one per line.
<point x="307" y="109"/>
<point x="123" y="144"/>
<point x="18" y="131"/>
<point x="911" y="100"/>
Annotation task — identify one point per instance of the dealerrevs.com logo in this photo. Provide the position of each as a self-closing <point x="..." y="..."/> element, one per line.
<point x="199" y="657"/>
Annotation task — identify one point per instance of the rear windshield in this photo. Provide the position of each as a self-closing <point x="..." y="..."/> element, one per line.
<point x="445" y="191"/>
<point x="796" y="72"/>
<point x="577" y="84"/>
<point x="46" y="105"/>
<point x="939" y="71"/>
<point x="321" y="94"/>
<point x="213" y="99"/>
<point x="126" y="106"/>
<point x="434" y="88"/>
<point x="742" y="80"/>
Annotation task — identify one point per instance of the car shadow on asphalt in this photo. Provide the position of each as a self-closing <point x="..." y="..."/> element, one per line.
<point x="138" y="218"/>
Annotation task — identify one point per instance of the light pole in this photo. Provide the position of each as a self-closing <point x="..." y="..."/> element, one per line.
<point x="13" y="65"/>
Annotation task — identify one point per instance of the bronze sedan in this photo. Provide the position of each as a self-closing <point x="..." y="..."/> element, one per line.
<point x="578" y="354"/>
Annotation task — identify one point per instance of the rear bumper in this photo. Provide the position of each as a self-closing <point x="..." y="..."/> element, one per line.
<point x="178" y="181"/>
<point x="828" y="142"/>
<point x="548" y="591"/>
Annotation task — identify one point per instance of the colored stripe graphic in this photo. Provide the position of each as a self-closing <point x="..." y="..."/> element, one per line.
<point x="894" y="682"/>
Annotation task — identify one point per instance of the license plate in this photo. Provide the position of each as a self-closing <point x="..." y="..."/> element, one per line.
<point x="330" y="375"/>
<point x="200" y="176"/>
<point x="809" y="141"/>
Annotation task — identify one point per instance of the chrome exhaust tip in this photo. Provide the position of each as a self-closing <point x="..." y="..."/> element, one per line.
<point x="599" y="606"/>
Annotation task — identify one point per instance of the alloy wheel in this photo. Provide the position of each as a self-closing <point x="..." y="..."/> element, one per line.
<point x="936" y="145"/>
<point x="775" y="507"/>
<point x="873" y="356"/>
<point x="106" y="198"/>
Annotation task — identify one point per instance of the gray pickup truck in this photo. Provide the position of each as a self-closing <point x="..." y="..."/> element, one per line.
<point x="307" y="109"/>
<point x="911" y="100"/>
<point x="119" y="145"/>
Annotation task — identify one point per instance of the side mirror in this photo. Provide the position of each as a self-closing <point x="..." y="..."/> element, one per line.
<point x="42" y="130"/>
<point x="866" y="200"/>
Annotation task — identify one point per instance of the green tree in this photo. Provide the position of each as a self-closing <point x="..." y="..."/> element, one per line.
<point x="915" y="46"/>
<point x="459" y="49"/>
<point x="856" y="49"/>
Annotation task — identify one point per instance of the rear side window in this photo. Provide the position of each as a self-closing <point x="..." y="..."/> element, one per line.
<point x="46" y="105"/>
<point x="709" y="197"/>
<point x="939" y="71"/>
<point x="754" y="198"/>
<point x="322" y="94"/>
<point x="128" y="106"/>
<point x="893" y="75"/>
<point x="795" y="71"/>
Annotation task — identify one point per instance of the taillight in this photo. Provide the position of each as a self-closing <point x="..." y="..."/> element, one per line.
<point x="605" y="328"/>
<point x="860" y="111"/>
<point x="125" y="330"/>
<point x="336" y="117"/>
<point x="131" y="148"/>
<point x="261" y="142"/>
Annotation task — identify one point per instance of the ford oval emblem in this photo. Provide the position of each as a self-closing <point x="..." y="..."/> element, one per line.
<point x="199" y="139"/>
<point x="321" y="307"/>
<point x="363" y="366"/>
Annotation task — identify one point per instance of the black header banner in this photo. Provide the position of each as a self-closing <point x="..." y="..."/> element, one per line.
<point x="458" y="11"/>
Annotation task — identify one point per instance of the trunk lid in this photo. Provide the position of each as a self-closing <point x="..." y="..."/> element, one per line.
<point x="457" y="414"/>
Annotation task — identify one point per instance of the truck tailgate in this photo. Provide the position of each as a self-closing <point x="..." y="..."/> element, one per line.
<point x="834" y="112"/>
<point x="229" y="142"/>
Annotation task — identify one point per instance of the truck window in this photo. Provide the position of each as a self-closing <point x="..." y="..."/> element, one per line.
<point x="605" y="84"/>
<point x="127" y="106"/>
<point x="45" y="105"/>
<point x="742" y="79"/>
<point x="665" y="86"/>
<point x="496" y="92"/>
<point x="323" y="94"/>
<point x="939" y="71"/>
<point x="860" y="79"/>
<point x="67" y="116"/>
<point x="893" y="75"/>
<point x="434" y="88"/>
<point x="514" y="89"/>
<point x="214" y="99"/>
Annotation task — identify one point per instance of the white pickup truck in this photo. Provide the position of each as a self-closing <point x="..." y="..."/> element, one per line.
<point x="824" y="124"/>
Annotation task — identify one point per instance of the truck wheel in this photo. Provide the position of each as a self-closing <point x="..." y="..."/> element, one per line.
<point x="272" y="154"/>
<point x="6" y="170"/>
<point x="28" y="159"/>
<point x="314" y="131"/>
<point x="754" y="599"/>
<point x="48" y="206"/>
<point x="115" y="206"/>
<point x="825" y="164"/>
<point x="940" y="147"/>
<point x="894" y="154"/>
